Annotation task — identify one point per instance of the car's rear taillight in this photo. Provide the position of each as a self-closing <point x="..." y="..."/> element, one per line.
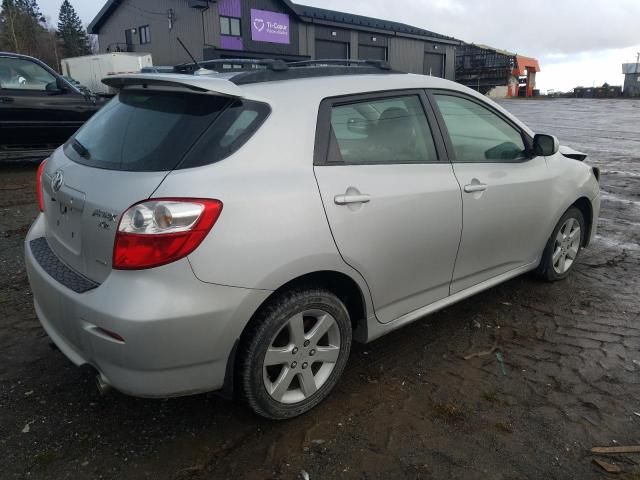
<point x="39" y="192"/>
<point x="157" y="232"/>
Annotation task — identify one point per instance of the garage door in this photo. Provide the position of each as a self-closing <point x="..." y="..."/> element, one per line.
<point x="367" y="52"/>
<point x="434" y="64"/>
<point x="331" y="50"/>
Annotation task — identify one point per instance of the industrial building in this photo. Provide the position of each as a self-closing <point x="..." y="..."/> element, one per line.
<point x="631" y="73"/>
<point x="605" y="91"/>
<point x="495" y="72"/>
<point x="267" y="29"/>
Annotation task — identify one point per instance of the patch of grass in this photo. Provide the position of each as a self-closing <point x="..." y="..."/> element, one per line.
<point x="449" y="412"/>
<point x="491" y="396"/>
<point x="504" y="427"/>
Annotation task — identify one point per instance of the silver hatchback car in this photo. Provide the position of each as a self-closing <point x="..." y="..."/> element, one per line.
<point x="237" y="231"/>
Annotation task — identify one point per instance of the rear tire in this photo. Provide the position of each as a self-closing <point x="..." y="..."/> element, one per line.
<point x="294" y="353"/>
<point x="563" y="247"/>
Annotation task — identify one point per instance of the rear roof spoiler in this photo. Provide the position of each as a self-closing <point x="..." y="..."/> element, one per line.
<point x="201" y="84"/>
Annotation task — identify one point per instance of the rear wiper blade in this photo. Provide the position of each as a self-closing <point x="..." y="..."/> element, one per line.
<point x="80" y="149"/>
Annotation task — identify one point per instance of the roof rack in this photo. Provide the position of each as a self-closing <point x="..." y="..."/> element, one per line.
<point x="271" y="70"/>
<point x="270" y="64"/>
<point x="381" y="64"/>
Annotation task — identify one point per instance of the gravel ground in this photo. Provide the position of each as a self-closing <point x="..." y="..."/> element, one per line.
<point x="565" y="375"/>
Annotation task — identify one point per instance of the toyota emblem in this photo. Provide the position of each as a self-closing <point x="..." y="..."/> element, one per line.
<point x="57" y="181"/>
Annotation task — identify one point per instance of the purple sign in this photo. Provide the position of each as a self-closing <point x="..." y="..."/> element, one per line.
<point x="269" y="26"/>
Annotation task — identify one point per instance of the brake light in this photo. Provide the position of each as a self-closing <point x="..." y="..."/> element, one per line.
<point x="39" y="192"/>
<point x="158" y="232"/>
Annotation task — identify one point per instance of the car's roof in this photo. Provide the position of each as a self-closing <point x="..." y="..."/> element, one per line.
<point x="348" y="84"/>
<point x="17" y="55"/>
<point x="224" y="83"/>
<point x="299" y="91"/>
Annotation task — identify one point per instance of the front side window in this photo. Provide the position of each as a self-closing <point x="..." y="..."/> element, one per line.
<point x="145" y="34"/>
<point x="230" y="26"/>
<point x="19" y="74"/>
<point x="478" y="134"/>
<point x="382" y="131"/>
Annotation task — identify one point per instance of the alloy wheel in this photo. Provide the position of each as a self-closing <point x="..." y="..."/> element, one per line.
<point x="301" y="356"/>
<point x="566" y="246"/>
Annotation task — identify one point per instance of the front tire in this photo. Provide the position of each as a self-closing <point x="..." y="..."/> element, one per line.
<point x="564" y="246"/>
<point x="294" y="353"/>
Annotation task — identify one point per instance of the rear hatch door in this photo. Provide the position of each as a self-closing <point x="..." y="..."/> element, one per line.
<point x="117" y="159"/>
<point x="82" y="213"/>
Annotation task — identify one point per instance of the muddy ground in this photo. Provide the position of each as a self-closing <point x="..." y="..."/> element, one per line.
<point x="409" y="405"/>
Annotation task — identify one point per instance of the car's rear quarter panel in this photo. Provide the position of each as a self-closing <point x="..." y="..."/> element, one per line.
<point x="273" y="227"/>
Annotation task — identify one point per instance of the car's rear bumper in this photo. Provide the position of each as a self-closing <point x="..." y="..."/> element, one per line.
<point x="178" y="331"/>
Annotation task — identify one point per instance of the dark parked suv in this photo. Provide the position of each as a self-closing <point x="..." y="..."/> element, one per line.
<point x="39" y="110"/>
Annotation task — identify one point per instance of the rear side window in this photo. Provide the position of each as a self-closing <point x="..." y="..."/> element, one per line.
<point x="156" y="130"/>
<point x="385" y="131"/>
<point x="235" y="126"/>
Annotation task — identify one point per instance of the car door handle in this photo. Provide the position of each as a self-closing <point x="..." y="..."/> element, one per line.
<point x="6" y="100"/>
<point x="475" y="187"/>
<point x="351" y="199"/>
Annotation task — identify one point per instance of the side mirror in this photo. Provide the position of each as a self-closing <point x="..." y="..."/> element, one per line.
<point x="55" y="88"/>
<point x="545" y="145"/>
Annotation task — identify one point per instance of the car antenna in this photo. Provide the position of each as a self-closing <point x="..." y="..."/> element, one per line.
<point x="189" y="53"/>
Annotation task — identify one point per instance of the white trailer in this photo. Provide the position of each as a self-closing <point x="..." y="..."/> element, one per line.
<point x="89" y="70"/>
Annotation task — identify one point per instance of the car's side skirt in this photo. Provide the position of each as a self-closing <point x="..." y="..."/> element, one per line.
<point x="377" y="329"/>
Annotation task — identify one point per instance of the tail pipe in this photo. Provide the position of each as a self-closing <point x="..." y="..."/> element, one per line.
<point x="103" y="385"/>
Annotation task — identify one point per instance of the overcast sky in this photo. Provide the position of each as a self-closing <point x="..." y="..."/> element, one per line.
<point x="578" y="42"/>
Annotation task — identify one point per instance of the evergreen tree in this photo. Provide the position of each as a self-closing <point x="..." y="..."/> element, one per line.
<point x="20" y="26"/>
<point x="75" y="41"/>
<point x="31" y="8"/>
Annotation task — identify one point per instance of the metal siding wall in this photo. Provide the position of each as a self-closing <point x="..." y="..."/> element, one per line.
<point x="406" y="54"/>
<point x="164" y="46"/>
<point x="450" y="63"/>
<point x="326" y="33"/>
<point x="230" y="8"/>
<point x="354" y="50"/>
<point x="212" y="19"/>
<point x="311" y="41"/>
<point x="302" y="35"/>
<point x="365" y="38"/>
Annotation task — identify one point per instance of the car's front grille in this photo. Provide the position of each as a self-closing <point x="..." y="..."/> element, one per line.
<point x="58" y="270"/>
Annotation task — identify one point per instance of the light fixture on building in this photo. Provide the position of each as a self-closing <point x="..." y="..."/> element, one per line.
<point x="171" y="18"/>
<point x="374" y="39"/>
<point x="334" y="34"/>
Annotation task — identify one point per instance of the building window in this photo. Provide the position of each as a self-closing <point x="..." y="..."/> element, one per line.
<point x="145" y="34"/>
<point x="230" y="26"/>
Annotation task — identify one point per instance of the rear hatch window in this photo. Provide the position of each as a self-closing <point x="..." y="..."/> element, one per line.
<point x="149" y="131"/>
